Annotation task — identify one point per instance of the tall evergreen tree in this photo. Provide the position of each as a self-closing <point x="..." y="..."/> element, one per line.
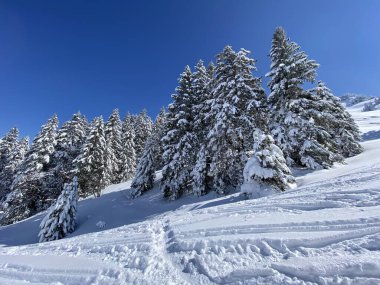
<point x="292" y="125"/>
<point x="178" y="142"/>
<point x="236" y="106"/>
<point x="8" y="145"/>
<point x="157" y="134"/>
<point x="113" y="135"/>
<point x="92" y="162"/>
<point x="70" y="139"/>
<point x="29" y="194"/>
<point x="15" y="158"/>
<point x="143" y="130"/>
<point x="335" y="119"/>
<point x="202" y="88"/>
<point x="151" y="158"/>
<point x="128" y="150"/>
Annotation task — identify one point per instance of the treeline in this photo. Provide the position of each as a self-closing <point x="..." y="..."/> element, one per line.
<point x="220" y="121"/>
<point x="220" y="117"/>
<point x="98" y="153"/>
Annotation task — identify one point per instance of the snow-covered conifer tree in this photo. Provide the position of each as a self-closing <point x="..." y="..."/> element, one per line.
<point x="143" y="130"/>
<point x="113" y="134"/>
<point x="128" y="155"/>
<point x="92" y="162"/>
<point x="157" y="134"/>
<point x="15" y="158"/>
<point x="336" y="120"/>
<point x="178" y="142"/>
<point x="144" y="177"/>
<point x="292" y="125"/>
<point x="201" y="88"/>
<point x="29" y="194"/>
<point x="8" y="145"/>
<point x="70" y="139"/>
<point x="61" y="217"/>
<point x="266" y="169"/>
<point x="151" y="158"/>
<point x="236" y="101"/>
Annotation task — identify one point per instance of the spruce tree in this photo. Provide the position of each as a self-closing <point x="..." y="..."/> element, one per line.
<point x="70" y="139"/>
<point x="145" y="172"/>
<point x="8" y="146"/>
<point x="178" y="142"/>
<point x="236" y="108"/>
<point x="266" y="168"/>
<point x="61" y="217"/>
<point x="143" y="130"/>
<point x="29" y="194"/>
<point x="151" y="159"/>
<point x="157" y="134"/>
<point x="335" y="119"/>
<point x="201" y="88"/>
<point x="292" y="126"/>
<point x="113" y="135"/>
<point x="92" y="162"/>
<point x="128" y="155"/>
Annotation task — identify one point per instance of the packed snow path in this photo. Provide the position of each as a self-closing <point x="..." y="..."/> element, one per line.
<point x="327" y="231"/>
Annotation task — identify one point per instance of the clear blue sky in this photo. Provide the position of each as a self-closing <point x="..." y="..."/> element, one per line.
<point x="93" y="56"/>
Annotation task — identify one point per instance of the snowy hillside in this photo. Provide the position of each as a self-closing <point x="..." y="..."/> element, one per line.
<point x="327" y="231"/>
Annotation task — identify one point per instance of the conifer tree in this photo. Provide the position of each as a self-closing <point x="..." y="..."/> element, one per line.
<point x="202" y="88"/>
<point x="14" y="160"/>
<point x="144" y="177"/>
<point x="266" y="168"/>
<point x="143" y="130"/>
<point x="113" y="135"/>
<point x="128" y="156"/>
<point x="157" y="134"/>
<point x="151" y="158"/>
<point x="178" y="142"/>
<point x="291" y="119"/>
<point x="70" y="139"/>
<point x="8" y="145"/>
<point x="61" y="217"/>
<point x="336" y="120"/>
<point x="29" y="194"/>
<point x="92" y="162"/>
<point x="236" y="104"/>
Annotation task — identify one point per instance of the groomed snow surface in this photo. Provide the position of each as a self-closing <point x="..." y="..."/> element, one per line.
<point x="326" y="231"/>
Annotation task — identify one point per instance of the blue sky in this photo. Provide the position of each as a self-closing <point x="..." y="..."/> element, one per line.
<point x="94" y="56"/>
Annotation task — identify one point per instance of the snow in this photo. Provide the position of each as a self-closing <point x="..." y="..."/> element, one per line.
<point x="326" y="231"/>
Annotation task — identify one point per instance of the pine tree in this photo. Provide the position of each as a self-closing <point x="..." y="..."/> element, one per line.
<point x="336" y="120"/>
<point x="92" y="162"/>
<point x="143" y="130"/>
<point x="178" y="142"/>
<point x="8" y="145"/>
<point x="292" y="108"/>
<point x="29" y="195"/>
<point x="61" y="217"/>
<point x="113" y="135"/>
<point x="151" y="158"/>
<point x="128" y="156"/>
<point x="266" y="168"/>
<point x="236" y="106"/>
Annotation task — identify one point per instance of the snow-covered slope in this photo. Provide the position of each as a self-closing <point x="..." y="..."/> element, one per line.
<point x="327" y="231"/>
